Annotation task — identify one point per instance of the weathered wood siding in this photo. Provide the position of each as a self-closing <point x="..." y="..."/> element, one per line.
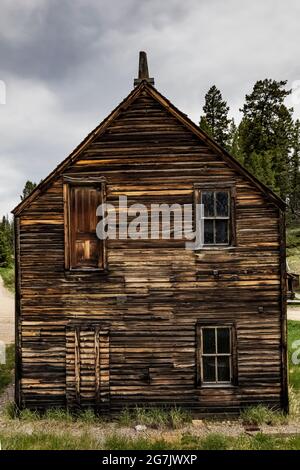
<point x="155" y="291"/>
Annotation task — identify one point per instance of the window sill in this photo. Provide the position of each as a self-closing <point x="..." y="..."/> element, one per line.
<point x="86" y="271"/>
<point x="215" y="248"/>
<point x="224" y="385"/>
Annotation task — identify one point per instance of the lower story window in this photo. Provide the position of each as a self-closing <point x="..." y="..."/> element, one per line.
<point x="216" y="354"/>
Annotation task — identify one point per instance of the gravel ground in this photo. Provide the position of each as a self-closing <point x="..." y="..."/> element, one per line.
<point x="100" y="432"/>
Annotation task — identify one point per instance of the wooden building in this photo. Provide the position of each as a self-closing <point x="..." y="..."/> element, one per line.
<point x="126" y="322"/>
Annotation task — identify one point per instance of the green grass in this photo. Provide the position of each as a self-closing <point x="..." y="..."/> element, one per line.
<point x="8" y="276"/>
<point x="53" y="416"/>
<point x="47" y="441"/>
<point x="6" y="370"/>
<point x="294" y="369"/>
<point x="212" y="441"/>
<point x="86" y="441"/>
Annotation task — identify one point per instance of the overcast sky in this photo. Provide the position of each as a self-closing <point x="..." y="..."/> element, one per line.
<point x="67" y="63"/>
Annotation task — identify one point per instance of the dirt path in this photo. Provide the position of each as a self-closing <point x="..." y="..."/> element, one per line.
<point x="7" y="314"/>
<point x="293" y="313"/>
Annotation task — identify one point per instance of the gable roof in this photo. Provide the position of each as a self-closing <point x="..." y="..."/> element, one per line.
<point x="179" y="115"/>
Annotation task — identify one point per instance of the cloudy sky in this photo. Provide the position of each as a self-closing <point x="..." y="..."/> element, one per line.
<point x="65" y="64"/>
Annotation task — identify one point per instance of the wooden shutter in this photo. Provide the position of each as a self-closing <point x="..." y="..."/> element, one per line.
<point x="84" y="249"/>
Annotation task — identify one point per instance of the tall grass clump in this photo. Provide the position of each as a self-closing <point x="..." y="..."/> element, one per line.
<point x="155" y="417"/>
<point x="260" y="414"/>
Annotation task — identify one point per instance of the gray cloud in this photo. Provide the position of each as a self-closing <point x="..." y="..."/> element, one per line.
<point x="67" y="63"/>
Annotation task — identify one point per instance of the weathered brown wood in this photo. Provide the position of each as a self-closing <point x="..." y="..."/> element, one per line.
<point x="284" y="369"/>
<point x="18" y="349"/>
<point x="77" y="359"/>
<point x="97" y="367"/>
<point x="126" y="335"/>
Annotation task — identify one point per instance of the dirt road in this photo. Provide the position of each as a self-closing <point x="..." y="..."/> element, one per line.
<point x="293" y="313"/>
<point x="7" y="314"/>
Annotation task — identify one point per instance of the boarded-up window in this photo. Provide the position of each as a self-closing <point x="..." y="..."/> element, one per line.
<point x="87" y="367"/>
<point x="84" y="250"/>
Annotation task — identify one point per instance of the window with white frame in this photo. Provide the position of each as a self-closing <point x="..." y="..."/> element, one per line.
<point x="216" y="351"/>
<point x="216" y="214"/>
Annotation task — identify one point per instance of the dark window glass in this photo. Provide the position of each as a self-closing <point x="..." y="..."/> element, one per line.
<point x="209" y="345"/>
<point x="222" y="204"/>
<point x="216" y="217"/>
<point x="209" y="369"/>
<point x="208" y="202"/>
<point x="223" y="368"/>
<point x="208" y="231"/>
<point x="223" y="339"/>
<point x="216" y="354"/>
<point x="221" y="228"/>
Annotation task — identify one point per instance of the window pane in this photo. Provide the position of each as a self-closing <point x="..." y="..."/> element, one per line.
<point x="208" y="231"/>
<point x="223" y="368"/>
<point x="222" y="204"/>
<point x="209" y="343"/>
<point x="209" y="369"/>
<point x="221" y="231"/>
<point x="208" y="202"/>
<point x="223" y="338"/>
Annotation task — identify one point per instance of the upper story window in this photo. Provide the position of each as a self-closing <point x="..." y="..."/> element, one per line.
<point x="83" y="249"/>
<point x="216" y="205"/>
<point x="218" y="217"/>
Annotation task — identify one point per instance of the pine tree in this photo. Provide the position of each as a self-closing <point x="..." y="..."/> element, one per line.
<point x="282" y="151"/>
<point x="234" y="146"/>
<point x="261" y="167"/>
<point x="28" y="188"/>
<point x="266" y="134"/>
<point x="6" y="242"/>
<point x="260" y="114"/>
<point x="294" y="199"/>
<point x="215" y="121"/>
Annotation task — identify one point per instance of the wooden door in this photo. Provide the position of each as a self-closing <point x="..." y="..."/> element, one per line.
<point x="87" y="367"/>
